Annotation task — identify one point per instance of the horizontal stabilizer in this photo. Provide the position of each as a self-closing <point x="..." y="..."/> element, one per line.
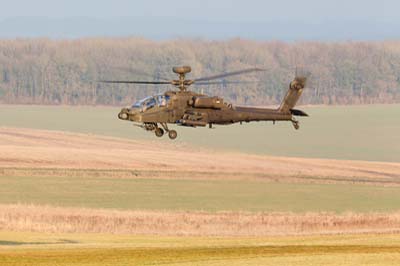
<point x="298" y="112"/>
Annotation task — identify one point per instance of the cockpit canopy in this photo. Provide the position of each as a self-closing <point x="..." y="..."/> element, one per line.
<point x="147" y="103"/>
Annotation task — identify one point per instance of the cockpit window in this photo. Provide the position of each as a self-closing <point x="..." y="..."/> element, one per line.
<point x="141" y="102"/>
<point x="151" y="101"/>
<point x="149" y="104"/>
<point x="162" y="100"/>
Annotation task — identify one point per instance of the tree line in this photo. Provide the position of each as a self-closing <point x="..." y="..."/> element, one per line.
<point x="44" y="71"/>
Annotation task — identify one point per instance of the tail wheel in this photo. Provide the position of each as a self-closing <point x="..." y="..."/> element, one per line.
<point x="172" y="134"/>
<point x="296" y="124"/>
<point x="159" y="132"/>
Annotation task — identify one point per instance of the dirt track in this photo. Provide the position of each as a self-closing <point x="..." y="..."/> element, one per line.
<point x="28" y="148"/>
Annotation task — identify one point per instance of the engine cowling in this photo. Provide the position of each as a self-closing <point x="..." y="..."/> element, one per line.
<point x="207" y="102"/>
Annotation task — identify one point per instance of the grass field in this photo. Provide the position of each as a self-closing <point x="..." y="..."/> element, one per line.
<point x="45" y="219"/>
<point x="197" y="195"/>
<point x="144" y="191"/>
<point x="86" y="249"/>
<point x="345" y="132"/>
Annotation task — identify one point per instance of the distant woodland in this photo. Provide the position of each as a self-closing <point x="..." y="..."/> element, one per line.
<point x="43" y="71"/>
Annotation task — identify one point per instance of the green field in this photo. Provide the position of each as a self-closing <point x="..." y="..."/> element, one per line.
<point x="345" y="132"/>
<point x="70" y="249"/>
<point x="357" y="132"/>
<point x="196" y="195"/>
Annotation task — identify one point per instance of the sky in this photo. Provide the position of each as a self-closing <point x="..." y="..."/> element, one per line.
<point x="211" y="10"/>
<point x="163" y="19"/>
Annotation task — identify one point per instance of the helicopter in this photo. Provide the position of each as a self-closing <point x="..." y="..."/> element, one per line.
<point x="191" y="109"/>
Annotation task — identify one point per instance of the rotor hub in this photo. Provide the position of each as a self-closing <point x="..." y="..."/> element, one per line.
<point x="182" y="83"/>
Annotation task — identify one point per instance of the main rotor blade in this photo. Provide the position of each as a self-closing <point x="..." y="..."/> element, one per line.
<point x="134" y="82"/>
<point x="240" y="72"/>
<point x="140" y="73"/>
<point x="225" y="82"/>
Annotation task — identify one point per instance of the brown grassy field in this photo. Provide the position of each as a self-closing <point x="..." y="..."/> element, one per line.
<point x="26" y="151"/>
<point x="202" y="207"/>
<point x="46" y="219"/>
<point x="40" y="154"/>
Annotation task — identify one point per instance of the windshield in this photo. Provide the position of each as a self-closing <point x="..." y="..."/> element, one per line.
<point x="151" y="101"/>
<point x="140" y="103"/>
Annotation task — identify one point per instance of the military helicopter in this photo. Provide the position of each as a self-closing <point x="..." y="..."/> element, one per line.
<point x="190" y="109"/>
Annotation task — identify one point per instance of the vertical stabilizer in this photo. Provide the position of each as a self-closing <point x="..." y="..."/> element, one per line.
<point x="293" y="95"/>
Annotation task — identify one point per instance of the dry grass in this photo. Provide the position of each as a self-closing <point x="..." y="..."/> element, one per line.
<point x="74" y="220"/>
<point x="38" y="149"/>
<point x="22" y="249"/>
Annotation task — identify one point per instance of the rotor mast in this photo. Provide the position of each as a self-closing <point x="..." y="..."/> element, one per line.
<point x="182" y="83"/>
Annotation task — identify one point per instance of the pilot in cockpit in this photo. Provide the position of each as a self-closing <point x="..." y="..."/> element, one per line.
<point x="150" y="102"/>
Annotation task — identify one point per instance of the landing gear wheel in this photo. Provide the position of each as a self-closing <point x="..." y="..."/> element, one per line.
<point x="159" y="132"/>
<point x="172" y="134"/>
<point x="296" y="125"/>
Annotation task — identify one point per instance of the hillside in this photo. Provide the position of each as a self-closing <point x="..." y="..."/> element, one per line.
<point x="44" y="71"/>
